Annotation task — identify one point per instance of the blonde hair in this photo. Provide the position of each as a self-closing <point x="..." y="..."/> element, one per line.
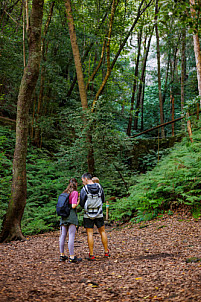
<point x="95" y="180"/>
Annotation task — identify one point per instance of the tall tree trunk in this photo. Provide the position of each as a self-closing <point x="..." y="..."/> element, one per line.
<point x="23" y="31"/>
<point x="142" y="104"/>
<point x="189" y="128"/>
<point x="44" y="49"/>
<point x="12" y="220"/>
<point x="27" y="15"/>
<point x="142" y="80"/>
<point x="166" y="79"/>
<point x="134" y="84"/>
<point x="81" y="85"/>
<point x="173" y="66"/>
<point x="196" y="46"/>
<point x="183" y="69"/>
<point x="76" y="54"/>
<point x="172" y="105"/>
<point x="159" y="71"/>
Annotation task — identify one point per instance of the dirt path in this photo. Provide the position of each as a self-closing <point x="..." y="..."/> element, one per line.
<point x="147" y="263"/>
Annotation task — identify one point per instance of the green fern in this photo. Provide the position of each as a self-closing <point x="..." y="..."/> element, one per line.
<point x="175" y="180"/>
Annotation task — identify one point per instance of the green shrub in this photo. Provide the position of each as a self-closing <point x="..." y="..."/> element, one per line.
<point x="175" y="180"/>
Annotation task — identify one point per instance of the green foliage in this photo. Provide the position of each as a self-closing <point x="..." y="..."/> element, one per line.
<point x="109" y="147"/>
<point x="11" y="63"/>
<point x="196" y="211"/>
<point x="151" y="112"/>
<point x="44" y="183"/>
<point x="174" y="181"/>
<point x="7" y="144"/>
<point x="149" y="161"/>
<point x="60" y="118"/>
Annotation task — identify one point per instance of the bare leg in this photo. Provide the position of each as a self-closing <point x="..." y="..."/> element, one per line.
<point x="103" y="238"/>
<point x="90" y="240"/>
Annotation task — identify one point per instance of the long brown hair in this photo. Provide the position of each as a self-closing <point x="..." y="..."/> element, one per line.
<point x="72" y="186"/>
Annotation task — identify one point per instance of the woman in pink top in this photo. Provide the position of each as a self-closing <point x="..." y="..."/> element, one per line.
<point x="68" y="224"/>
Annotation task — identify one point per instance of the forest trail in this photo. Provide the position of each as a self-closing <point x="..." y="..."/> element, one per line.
<point x="149" y="262"/>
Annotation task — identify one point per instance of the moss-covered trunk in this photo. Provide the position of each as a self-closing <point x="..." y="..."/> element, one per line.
<point x="12" y="220"/>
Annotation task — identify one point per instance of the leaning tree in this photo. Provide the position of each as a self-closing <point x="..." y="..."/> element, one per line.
<point x="12" y="221"/>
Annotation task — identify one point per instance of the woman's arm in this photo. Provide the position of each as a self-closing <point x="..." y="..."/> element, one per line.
<point x="74" y="205"/>
<point x="75" y="200"/>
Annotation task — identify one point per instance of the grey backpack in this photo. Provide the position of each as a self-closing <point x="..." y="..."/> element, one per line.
<point x="93" y="204"/>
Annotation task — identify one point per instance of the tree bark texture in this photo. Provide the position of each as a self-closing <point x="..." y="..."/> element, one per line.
<point x="12" y="220"/>
<point x="76" y="54"/>
<point x="159" y="72"/>
<point x="196" y="48"/>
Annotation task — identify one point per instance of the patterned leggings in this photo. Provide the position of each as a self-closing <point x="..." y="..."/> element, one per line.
<point x="71" y="229"/>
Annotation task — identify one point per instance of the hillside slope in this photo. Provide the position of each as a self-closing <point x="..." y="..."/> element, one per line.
<point x="176" y="180"/>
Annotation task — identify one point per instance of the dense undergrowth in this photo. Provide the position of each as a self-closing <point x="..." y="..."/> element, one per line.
<point x="44" y="183"/>
<point x="48" y="174"/>
<point x="175" y="180"/>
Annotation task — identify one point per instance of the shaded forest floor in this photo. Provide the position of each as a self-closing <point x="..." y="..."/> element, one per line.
<point x="154" y="261"/>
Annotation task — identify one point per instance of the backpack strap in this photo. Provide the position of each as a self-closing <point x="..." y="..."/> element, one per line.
<point x="100" y="189"/>
<point x="86" y="189"/>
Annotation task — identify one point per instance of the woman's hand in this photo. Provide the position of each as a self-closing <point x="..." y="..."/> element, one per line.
<point x="74" y="205"/>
